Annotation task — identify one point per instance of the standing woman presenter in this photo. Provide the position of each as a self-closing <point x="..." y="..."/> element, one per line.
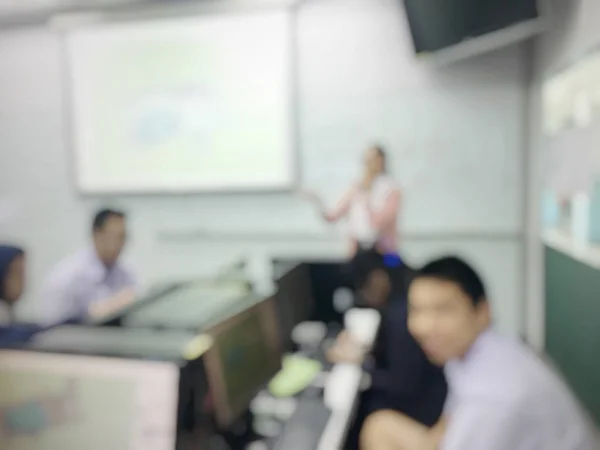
<point x="371" y="207"/>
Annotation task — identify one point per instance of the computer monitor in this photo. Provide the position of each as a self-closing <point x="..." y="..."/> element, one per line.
<point x="185" y="306"/>
<point x="194" y="309"/>
<point x="177" y="298"/>
<point x="295" y="300"/>
<point x="244" y="356"/>
<point x="108" y="347"/>
<point x="50" y="401"/>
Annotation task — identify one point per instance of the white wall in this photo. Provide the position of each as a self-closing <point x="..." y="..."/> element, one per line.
<point x="356" y="74"/>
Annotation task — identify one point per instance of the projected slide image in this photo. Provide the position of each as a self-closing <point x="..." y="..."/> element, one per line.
<point x="198" y="104"/>
<point x="40" y="411"/>
<point x="148" y="124"/>
<point x="160" y="118"/>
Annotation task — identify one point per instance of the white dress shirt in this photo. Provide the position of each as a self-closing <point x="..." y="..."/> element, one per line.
<point x="503" y="397"/>
<point x="78" y="282"/>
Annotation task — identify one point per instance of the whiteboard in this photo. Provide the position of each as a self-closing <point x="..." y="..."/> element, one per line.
<point x="183" y="105"/>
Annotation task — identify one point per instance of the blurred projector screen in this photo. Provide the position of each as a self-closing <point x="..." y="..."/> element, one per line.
<point x="183" y="105"/>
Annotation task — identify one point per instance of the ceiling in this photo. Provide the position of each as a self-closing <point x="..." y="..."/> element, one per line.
<point x="17" y="12"/>
<point x="28" y="12"/>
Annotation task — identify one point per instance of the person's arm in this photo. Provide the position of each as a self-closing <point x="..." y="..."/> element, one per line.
<point x="130" y="280"/>
<point x="120" y="299"/>
<point x="389" y="212"/>
<point x="487" y="426"/>
<point x="405" y="360"/>
<point x="437" y="432"/>
<point x="341" y="209"/>
<point x="107" y="306"/>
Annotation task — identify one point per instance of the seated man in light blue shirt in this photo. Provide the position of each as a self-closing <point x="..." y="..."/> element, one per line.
<point x="501" y="395"/>
<point x="92" y="282"/>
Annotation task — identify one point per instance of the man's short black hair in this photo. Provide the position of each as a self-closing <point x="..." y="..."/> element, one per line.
<point x="364" y="263"/>
<point x="455" y="270"/>
<point x="102" y="217"/>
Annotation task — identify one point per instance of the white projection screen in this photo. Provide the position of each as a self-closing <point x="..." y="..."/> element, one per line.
<point x="201" y="104"/>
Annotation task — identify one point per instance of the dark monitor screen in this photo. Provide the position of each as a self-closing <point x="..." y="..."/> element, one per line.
<point x="437" y="24"/>
<point x="245" y="355"/>
<point x="295" y="300"/>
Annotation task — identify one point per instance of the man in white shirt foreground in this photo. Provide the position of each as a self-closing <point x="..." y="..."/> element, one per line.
<point x="501" y="395"/>
<point x="92" y="282"/>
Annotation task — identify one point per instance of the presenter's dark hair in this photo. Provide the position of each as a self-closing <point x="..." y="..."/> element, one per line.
<point x="103" y="215"/>
<point x="382" y="154"/>
<point x="457" y="271"/>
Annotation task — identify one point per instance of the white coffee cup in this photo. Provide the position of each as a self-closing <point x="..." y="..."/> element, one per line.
<point x="362" y="325"/>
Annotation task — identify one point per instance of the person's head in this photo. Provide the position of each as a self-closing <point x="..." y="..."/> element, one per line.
<point x="110" y="233"/>
<point x="371" y="278"/>
<point x="448" y="308"/>
<point x="12" y="273"/>
<point x="375" y="160"/>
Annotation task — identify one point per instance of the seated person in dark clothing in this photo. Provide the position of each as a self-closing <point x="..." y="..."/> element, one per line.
<point x="12" y="281"/>
<point x="12" y="276"/>
<point x="12" y="285"/>
<point x="402" y="378"/>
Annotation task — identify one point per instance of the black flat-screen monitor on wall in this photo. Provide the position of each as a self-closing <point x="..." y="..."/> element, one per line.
<point x="439" y="24"/>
